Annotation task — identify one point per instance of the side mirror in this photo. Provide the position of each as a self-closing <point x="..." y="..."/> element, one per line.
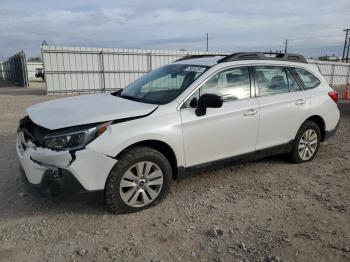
<point x="208" y="101"/>
<point x="194" y="102"/>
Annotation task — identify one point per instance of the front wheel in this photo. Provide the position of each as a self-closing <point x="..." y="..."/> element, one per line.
<point x="141" y="178"/>
<point x="306" y="143"/>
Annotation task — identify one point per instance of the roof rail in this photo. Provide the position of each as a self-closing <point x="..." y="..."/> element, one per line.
<point x="187" y="57"/>
<point x="263" y="56"/>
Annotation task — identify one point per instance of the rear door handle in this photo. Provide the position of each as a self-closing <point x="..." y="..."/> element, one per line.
<point x="300" y="102"/>
<point x="250" y="112"/>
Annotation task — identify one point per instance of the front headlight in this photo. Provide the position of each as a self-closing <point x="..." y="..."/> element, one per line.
<point x="74" y="138"/>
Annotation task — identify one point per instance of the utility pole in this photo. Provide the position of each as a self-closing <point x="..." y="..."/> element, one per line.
<point x="347" y="52"/>
<point x="207" y="42"/>
<point x="346" y="43"/>
<point x="285" y="46"/>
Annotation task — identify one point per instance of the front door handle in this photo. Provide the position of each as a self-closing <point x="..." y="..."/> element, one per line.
<point x="250" y="112"/>
<point x="300" y="102"/>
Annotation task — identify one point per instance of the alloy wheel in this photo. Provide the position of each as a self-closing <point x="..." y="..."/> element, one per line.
<point x="308" y="144"/>
<point x="141" y="184"/>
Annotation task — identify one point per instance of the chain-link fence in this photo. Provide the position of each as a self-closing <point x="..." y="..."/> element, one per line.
<point x="15" y="69"/>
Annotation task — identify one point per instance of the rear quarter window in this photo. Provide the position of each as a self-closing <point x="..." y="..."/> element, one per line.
<point x="308" y="80"/>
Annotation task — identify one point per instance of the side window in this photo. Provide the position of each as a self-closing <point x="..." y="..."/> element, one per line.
<point x="292" y="83"/>
<point x="271" y="80"/>
<point x="308" y="79"/>
<point x="230" y="84"/>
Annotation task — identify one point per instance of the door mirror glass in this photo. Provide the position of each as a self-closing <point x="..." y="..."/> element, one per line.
<point x="208" y="101"/>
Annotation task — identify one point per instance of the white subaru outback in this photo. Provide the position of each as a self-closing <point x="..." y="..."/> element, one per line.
<point x="196" y="112"/>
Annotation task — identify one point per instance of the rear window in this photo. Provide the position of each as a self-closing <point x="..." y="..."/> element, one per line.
<point x="309" y="80"/>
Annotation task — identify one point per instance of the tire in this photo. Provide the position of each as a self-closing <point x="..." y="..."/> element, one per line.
<point x="140" y="179"/>
<point x="306" y="144"/>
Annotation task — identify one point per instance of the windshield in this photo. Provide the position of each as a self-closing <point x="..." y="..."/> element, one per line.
<point x="162" y="85"/>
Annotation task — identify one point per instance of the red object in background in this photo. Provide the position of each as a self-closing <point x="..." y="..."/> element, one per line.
<point x="346" y="94"/>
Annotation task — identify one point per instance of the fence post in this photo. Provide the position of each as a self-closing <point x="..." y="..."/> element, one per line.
<point x="24" y="71"/>
<point x="102" y="68"/>
<point x="332" y="76"/>
<point x="149" y="64"/>
<point x="42" y="58"/>
<point x="318" y="66"/>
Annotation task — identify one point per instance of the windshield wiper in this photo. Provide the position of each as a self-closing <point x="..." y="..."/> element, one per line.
<point x="131" y="98"/>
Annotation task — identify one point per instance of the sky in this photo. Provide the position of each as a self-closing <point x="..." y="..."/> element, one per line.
<point x="312" y="27"/>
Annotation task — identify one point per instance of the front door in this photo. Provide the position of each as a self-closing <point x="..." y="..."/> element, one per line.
<point x="222" y="132"/>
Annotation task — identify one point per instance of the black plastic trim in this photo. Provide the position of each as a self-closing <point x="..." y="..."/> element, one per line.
<point x="252" y="82"/>
<point x="188" y="57"/>
<point x="329" y="134"/>
<point x="276" y="150"/>
<point x="55" y="184"/>
<point x="262" y="56"/>
<point x="296" y="77"/>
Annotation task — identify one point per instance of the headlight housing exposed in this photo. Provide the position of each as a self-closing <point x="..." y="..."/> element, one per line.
<point x="74" y="138"/>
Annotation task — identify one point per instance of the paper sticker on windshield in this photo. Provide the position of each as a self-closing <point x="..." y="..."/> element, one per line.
<point x="196" y="69"/>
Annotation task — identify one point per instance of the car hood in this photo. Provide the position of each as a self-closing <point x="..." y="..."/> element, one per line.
<point x="86" y="109"/>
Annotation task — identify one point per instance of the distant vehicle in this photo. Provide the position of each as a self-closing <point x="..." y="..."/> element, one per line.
<point x="193" y="113"/>
<point x="39" y="72"/>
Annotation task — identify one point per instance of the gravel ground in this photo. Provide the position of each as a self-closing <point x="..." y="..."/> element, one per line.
<point x="267" y="210"/>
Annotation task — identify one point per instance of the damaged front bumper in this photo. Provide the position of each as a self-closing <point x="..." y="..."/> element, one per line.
<point x="60" y="172"/>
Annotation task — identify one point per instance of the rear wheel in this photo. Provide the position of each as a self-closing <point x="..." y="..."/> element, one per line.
<point x="141" y="178"/>
<point x="306" y="143"/>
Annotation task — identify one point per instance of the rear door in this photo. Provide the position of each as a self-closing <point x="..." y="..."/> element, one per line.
<point x="222" y="132"/>
<point x="283" y="105"/>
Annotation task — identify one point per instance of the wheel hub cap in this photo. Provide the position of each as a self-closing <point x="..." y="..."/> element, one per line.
<point x="141" y="184"/>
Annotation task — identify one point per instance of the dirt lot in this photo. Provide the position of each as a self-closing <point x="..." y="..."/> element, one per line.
<point x="268" y="210"/>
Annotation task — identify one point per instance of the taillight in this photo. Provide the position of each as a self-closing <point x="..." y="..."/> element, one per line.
<point x="334" y="96"/>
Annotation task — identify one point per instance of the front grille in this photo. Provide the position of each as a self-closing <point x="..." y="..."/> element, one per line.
<point x="32" y="132"/>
